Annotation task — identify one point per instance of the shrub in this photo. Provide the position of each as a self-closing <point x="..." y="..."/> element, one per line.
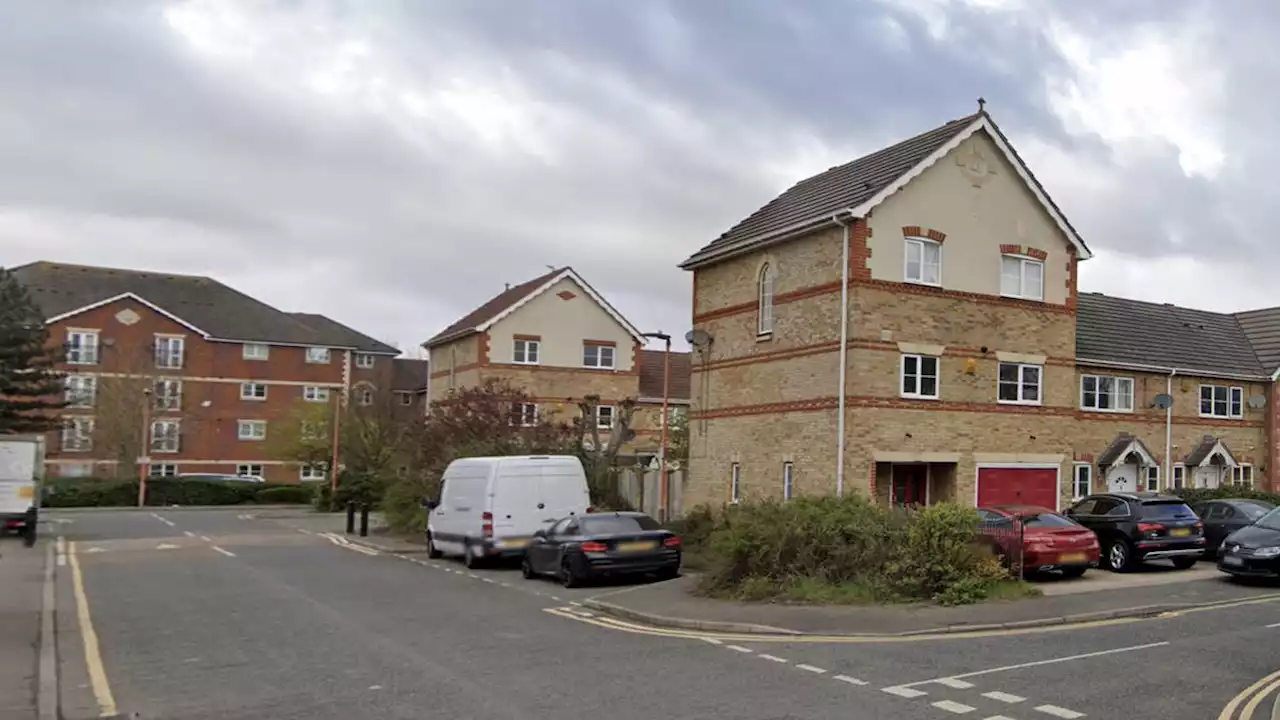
<point x="284" y="495"/>
<point x="1196" y="495"/>
<point x="849" y="546"/>
<point x="84" y="492"/>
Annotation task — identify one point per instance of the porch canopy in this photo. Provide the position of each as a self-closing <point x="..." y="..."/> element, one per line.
<point x="1126" y="448"/>
<point x="1210" y="451"/>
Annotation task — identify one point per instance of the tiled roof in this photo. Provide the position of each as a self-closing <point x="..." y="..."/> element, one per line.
<point x="409" y="374"/>
<point x="491" y="309"/>
<point x="1123" y="442"/>
<point x="651" y="372"/>
<point x="349" y="337"/>
<point x="1262" y="327"/>
<point x="205" y="303"/>
<point x="1119" y="330"/>
<point x="1202" y="450"/>
<point x="841" y="187"/>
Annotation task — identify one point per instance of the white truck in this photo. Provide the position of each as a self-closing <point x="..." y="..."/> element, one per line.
<point x="21" y="467"/>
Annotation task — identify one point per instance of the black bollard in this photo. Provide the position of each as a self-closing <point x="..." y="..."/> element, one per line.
<point x="351" y="517"/>
<point x="364" y="521"/>
<point x="29" y="527"/>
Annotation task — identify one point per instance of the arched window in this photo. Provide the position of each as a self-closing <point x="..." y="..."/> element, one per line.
<point x="764" y="324"/>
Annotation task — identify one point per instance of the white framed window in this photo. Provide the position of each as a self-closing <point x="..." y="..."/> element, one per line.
<point x="256" y="351"/>
<point x="364" y="395"/>
<point x="597" y="356"/>
<point x="764" y="300"/>
<point x="1242" y="475"/>
<point x="1221" y="401"/>
<point x="253" y="391"/>
<point x="165" y="436"/>
<point x="82" y="347"/>
<point x="1104" y="393"/>
<point x="919" y="376"/>
<point x="405" y="398"/>
<point x="318" y="355"/>
<point x="1153" y="478"/>
<point x="525" y="351"/>
<point x="81" y="391"/>
<point x="77" y="434"/>
<point x="310" y="473"/>
<point x="169" y="351"/>
<point x="1179" y="476"/>
<point x="1021" y="277"/>
<point x="788" y="480"/>
<point x="526" y="414"/>
<point x="1082" y="480"/>
<point x="923" y="262"/>
<point x="1019" y="384"/>
<point x="167" y="394"/>
<point x="604" y="417"/>
<point x="250" y="470"/>
<point x="251" y="429"/>
<point x="314" y="393"/>
<point x="364" y="360"/>
<point x="735" y="483"/>
<point x="163" y="470"/>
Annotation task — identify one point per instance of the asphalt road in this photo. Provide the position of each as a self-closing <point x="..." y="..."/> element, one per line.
<point x="219" y="614"/>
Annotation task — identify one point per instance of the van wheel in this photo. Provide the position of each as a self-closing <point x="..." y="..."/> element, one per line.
<point x="432" y="551"/>
<point x="469" y="558"/>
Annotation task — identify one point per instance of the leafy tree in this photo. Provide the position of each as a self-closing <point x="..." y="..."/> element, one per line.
<point x="487" y="419"/>
<point x="678" y="438"/>
<point x="31" y="388"/>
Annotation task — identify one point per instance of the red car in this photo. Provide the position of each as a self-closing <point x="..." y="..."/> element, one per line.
<point x="1049" y="541"/>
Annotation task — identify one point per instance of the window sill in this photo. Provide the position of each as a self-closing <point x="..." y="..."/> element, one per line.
<point x="523" y="362"/>
<point x="1106" y="410"/>
<point x="1030" y="403"/>
<point x="905" y="396"/>
<point x="253" y="399"/>
<point x="764" y="337"/>
<point x="1024" y="298"/>
<point x="1221" y="417"/>
<point x="922" y="283"/>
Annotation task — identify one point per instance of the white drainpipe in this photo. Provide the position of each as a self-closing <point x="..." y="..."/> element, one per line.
<point x="1168" y="432"/>
<point x="844" y="353"/>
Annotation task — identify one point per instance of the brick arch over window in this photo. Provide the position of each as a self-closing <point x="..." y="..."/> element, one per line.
<point x="766" y="280"/>
<point x="929" y="233"/>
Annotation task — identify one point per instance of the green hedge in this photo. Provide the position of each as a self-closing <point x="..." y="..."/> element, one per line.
<point x="828" y="547"/>
<point x="1196" y="495"/>
<point x="86" y="492"/>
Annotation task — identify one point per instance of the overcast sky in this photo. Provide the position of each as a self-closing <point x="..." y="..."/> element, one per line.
<point x="392" y="164"/>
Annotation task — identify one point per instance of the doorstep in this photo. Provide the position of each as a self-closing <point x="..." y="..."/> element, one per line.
<point x="671" y="604"/>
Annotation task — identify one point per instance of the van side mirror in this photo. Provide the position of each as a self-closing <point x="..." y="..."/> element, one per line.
<point x="540" y="534"/>
<point x="430" y="504"/>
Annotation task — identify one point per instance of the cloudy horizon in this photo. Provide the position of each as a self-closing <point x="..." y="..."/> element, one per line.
<point x="394" y="165"/>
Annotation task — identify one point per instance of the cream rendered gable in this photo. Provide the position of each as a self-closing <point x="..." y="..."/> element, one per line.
<point x="562" y="324"/>
<point x="977" y="198"/>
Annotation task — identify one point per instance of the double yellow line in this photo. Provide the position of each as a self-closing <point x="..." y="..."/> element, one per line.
<point x="92" y="652"/>
<point x="1255" y="694"/>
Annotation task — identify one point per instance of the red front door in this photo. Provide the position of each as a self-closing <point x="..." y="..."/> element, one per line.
<point x="909" y="483"/>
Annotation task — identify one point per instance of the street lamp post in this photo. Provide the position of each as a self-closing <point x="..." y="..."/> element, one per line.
<point x="666" y="421"/>
<point x="333" y="461"/>
<point x="144" y="450"/>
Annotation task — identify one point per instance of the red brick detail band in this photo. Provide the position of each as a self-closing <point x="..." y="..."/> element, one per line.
<point x="834" y="345"/>
<point x="1036" y="253"/>
<point x="917" y="231"/>
<point x="1010" y="249"/>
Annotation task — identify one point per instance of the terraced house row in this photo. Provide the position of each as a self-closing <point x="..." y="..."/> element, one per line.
<point x="908" y="325"/>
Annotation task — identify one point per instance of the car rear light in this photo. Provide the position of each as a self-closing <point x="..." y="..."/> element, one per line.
<point x="590" y="509"/>
<point x="594" y="547"/>
<point x="1150" y="527"/>
<point x="1199" y="525"/>
<point x="671" y="542"/>
<point x="486" y="528"/>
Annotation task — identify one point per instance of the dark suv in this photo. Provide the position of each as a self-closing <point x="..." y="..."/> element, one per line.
<point x="1135" y="527"/>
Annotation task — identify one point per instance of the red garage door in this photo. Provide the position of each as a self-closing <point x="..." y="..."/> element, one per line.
<point x="1018" y="486"/>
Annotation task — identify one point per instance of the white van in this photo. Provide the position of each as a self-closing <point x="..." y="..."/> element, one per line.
<point x="492" y="506"/>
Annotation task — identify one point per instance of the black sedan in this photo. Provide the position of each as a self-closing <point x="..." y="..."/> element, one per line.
<point x="1253" y="551"/>
<point x="580" y="548"/>
<point x="1225" y="516"/>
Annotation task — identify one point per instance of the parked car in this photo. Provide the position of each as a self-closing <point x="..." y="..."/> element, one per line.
<point x="218" y="477"/>
<point x="1253" y="551"/>
<point x="1138" y="527"/>
<point x="580" y="548"/>
<point x="1049" y="541"/>
<point x="1223" y="517"/>
<point x="490" y="507"/>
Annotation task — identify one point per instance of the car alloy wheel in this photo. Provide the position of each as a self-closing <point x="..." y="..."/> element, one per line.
<point x="526" y="569"/>
<point x="567" y="577"/>
<point x="1118" y="556"/>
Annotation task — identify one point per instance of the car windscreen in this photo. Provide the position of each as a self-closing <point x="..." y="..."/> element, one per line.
<point x="1166" y="510"/>
<point x="1254" y="509"/>
<point x="617" y="524"/>
<point x="1270" y="521"/>
<point x="1047" y="520"/>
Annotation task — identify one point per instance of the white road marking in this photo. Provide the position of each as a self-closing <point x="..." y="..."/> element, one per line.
<point x="375" y="687"/>
<point x="1003" y="697"/>
<point x="166" y="546"/>
<point x="95" y="550"/>
<point x="713" y="641"/>
<point x="1274" y="625"/>
<point x="228" y="553"/>
<point x="62" y="551"/>
<point x="903" y="691"/>
<point x="810" y="668"/>
<point x="999" y="717"/>
<point x="166" y="522"/>
<point x="571" y="602"/>
<point x="490" y="580"/>
<point x="847" y="679"/>
<point x="772" y="658"/>
<point x="62" y="560"/>
<point x="955" y="684"/>
<point x="505" y="585"/>
<point x="739" y="648"/>
<point x="553" y="597"/>
<point x="1038" y="663"/>
<point x="1056" y="711"/>
<point x="473" y="575"/>
<point x="188" y="533"/>
<point x="304" y="532"/>
<point x="953" y="707"/>
<point x="205" y="538"/>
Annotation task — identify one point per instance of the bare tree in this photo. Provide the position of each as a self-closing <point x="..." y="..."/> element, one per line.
<point x="120" y="405"/>
<point x="601" y="460"/>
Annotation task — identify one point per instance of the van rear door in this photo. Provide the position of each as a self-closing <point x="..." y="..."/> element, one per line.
<point x="563" y="490"/>
<point x="516" y="511"/>
<point x="17" y="476"/>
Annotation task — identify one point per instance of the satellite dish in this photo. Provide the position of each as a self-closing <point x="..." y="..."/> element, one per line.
<point x="1257" y="402"/>
<point x="1163" y="401"/>
<point x="698" y="338"/>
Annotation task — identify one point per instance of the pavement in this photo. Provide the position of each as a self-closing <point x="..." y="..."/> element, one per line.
<point x="195" y="615"/>
<point x="21" y="583"/>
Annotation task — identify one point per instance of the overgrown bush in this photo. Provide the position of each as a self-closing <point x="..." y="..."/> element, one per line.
<point x="1197" y="495"/>
<point x="283" y="495"/>
<point x="849" y="546"/>
<point x="86" y="492"/>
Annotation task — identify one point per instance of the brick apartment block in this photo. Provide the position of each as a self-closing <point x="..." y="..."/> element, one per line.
<point x="222" y="368"/>
<point x="560" y="340"/>
<point x="975" y="370"/>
